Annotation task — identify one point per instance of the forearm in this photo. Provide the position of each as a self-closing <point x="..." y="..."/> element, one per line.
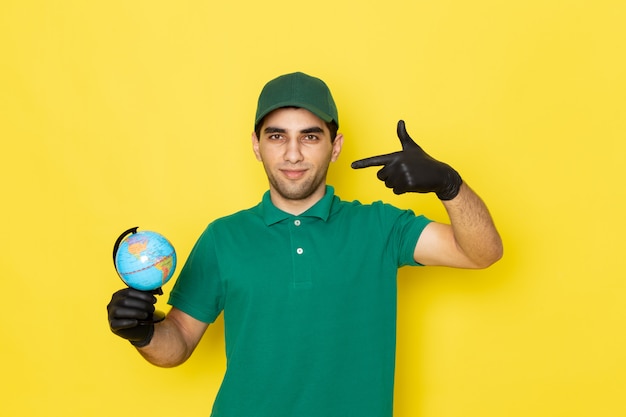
<point x="474" y="231"/>
<point x="168" y="347"/>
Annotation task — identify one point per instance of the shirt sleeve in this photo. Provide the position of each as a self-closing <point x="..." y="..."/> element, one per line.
<point x="407" y="230"/>
<point x="198" y="291"/>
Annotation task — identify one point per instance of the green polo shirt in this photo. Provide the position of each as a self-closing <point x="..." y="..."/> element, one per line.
<point x="309" y="305"/>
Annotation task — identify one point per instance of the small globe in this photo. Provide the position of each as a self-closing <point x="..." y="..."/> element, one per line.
<point x="145" y="260"/>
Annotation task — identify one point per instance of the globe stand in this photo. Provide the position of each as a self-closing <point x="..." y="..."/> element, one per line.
<point x="157" y="315"/>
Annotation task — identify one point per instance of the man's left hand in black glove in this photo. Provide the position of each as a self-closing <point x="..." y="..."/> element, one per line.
<point x="413" y="170"/>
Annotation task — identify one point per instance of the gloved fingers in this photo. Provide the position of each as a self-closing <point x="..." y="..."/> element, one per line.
<point x="130" y="313"/>
<point x="407" y="142"/>
<point x="121" y="324"/>
<point x="398" y="182"/>
<point x="399" y="188"/>
<point x="377" y="160"/>
<point x="383" y="174"/>
<point x="147" y="296"/>
<point x="130" y="304"/>
<point x="132" y="297"/>
<point x="135" y="303"/>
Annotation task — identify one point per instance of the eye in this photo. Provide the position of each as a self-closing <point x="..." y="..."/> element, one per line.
<point x="310" y="138"/>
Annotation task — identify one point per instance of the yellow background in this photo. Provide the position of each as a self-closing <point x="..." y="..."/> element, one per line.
<point x="138" y="113"/>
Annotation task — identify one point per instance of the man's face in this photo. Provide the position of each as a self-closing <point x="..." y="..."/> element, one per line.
<point x="296" y="149"/>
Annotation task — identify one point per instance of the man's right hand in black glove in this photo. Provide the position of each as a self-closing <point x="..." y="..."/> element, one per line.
<point x="128" y="310"/>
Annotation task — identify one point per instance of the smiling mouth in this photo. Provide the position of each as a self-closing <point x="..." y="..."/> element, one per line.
<point x="293" y="174"/>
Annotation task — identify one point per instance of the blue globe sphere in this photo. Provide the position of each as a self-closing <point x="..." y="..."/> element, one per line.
<point x="145" y="260"/>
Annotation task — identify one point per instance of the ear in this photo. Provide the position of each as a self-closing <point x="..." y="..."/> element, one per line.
<point x="337" y="145"/>
<point x="255" y="147"/>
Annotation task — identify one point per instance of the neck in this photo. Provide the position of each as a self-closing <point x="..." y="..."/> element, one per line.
<point x="296" y="207"/>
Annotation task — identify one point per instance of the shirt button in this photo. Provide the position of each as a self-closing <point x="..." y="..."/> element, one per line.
<point x="299" y="251"/>
<point x="297" y="222"/>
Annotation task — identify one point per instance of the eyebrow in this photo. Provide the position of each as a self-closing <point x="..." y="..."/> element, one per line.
<point x="313" y="130"/>
<point x="271" y="129"/>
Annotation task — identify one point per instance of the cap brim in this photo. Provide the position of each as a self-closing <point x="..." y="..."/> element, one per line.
<point x="322" y="115"/>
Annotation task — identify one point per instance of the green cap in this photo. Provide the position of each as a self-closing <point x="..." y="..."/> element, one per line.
<point x="297" y="90"/>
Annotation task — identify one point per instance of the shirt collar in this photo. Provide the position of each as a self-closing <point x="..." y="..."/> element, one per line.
<point x="321" y="209"/>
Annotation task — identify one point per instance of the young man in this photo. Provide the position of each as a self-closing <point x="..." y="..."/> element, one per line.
<point x="306" y="281"/>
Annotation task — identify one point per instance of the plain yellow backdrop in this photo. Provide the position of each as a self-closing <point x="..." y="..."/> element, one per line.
<point x="139" y="113"/>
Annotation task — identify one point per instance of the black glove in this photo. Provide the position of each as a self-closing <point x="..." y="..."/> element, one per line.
<point x="130" y="314"/>
<point x="413" y="170"/>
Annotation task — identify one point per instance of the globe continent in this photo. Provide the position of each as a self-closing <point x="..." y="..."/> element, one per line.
<point x="145" y="260"/>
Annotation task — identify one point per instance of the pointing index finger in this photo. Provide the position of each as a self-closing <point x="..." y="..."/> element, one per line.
<point x="373" y="161"/>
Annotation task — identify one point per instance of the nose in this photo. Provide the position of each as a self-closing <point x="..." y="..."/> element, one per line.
<point x="293" y="153"/>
